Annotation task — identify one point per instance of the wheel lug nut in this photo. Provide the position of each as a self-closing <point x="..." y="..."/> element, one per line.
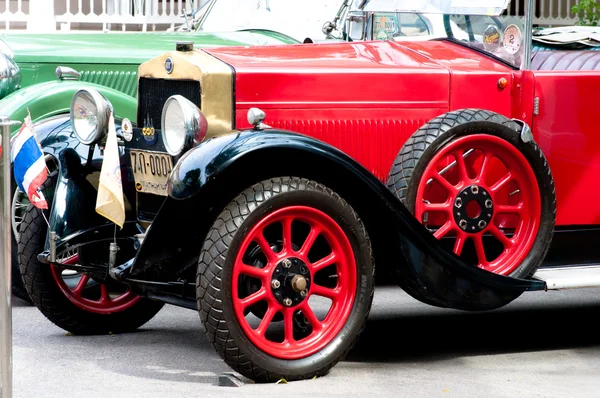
<point x="275" y="284"/>
<point x="304" y="293"/>
<point x="287" y="301"/>
<point x="488" y="203"/>
<point x="462" y="224"/>
<point x="286" y="263"/>
<point x="482" y="224"/>
<point x="458" y="203"/>
<point x="474" y="189"/>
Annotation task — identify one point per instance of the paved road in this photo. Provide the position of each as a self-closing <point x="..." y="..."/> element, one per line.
<point x="542" y="345"/>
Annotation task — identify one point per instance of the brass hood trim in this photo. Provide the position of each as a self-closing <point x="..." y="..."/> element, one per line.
<point x="216" y="84"/>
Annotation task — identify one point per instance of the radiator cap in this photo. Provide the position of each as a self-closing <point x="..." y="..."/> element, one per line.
<point x="184" y="46"/>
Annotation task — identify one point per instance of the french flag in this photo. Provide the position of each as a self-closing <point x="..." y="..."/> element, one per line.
<point x="29" y="165"/>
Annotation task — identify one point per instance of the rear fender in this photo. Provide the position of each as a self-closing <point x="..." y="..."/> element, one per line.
<point x="210" y="175"/>
<point x="54" y="98"/>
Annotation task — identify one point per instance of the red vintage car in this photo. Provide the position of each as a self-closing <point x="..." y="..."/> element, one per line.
<point x="262" y="185"/>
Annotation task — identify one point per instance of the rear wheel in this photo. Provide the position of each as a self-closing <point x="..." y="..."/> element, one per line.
<point x="285" y="280"/>
<point x="485" y="193"/>
<point x="74" y="301"/>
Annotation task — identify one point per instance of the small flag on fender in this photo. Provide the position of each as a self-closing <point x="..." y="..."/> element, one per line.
<point x="29" y="165"/>
<point x="110" y="202"/>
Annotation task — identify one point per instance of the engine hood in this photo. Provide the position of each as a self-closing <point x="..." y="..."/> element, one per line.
<point x="336" y="72"/>
<point x="124" y="48"/>
<point x="377" y="75"/>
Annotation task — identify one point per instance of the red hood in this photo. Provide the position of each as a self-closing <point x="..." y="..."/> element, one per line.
<point x="377" y="71"/>
<point x="328" y="72"/>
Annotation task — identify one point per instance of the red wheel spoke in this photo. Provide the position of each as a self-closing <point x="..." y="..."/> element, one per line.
<point x="104" y="297"/>
<point x="443" y="230"/>
<point x="479" y="249"/>
<point x="332" y="294"/>
<point x="254" y="272"/>
<point x="444" y="183"/>
<point x="81" y="284"/>
<point x="287" y="234"/>
<point x="254" y="298"/>
<point x="462" y="167"/>
<point x="267" y="319"/>
<point x="512" y="209"/>
<point x="310" y="240"/>
<point x="324" y="262"/>
<point x="310" y="316"/>
<point x="265" y="247"/>
<point x="484" y="164"/>
<point x="460" y="243"/>
<point x="288" y="325"/>
<point x="500" y="236"/>
<point x="502" y="182"/>
<point x="445" y="207"/>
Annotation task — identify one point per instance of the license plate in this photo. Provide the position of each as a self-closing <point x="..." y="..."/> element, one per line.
<point x="150" y="171"/>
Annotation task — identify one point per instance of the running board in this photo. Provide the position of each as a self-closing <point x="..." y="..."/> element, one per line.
<point x="569" y="277"/>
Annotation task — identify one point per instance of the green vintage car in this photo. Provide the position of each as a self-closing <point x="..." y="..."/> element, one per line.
<point x="40" y="73"/>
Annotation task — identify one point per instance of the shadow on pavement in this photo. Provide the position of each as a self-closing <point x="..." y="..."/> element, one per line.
<point x="421" y="338"/>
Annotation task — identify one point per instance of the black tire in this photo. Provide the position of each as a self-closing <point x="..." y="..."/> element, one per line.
<point x="53" y="303"/>
<point x="214" y="290"/>
<point x="18" y="287"/>
<point x="420" y="148"/>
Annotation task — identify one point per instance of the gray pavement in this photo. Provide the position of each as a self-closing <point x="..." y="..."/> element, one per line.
<point x="542" y="345"/>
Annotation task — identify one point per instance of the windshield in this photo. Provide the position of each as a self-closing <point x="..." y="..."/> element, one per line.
<point x="298" y="19"/>
<point x="464" y="7"/>
<point x="504" y="37"/>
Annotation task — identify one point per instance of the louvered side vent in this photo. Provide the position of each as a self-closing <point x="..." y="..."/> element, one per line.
<point x="153" y="93"/>
<point x="125" y="82"/>
<point x="373" y="143"/>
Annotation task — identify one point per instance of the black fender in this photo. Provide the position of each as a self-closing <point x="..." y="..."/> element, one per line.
<point x="207" y="177"/>
<point x="72" y="215"/>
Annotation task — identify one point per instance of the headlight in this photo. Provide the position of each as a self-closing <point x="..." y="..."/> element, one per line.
<point x="90" y="112"/>
<point x="10" y="74"/>
<point x="183" y="124"/>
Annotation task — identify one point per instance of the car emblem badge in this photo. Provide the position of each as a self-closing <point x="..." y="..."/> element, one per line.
<point x="127" y="129"/>
<point x="491" y="38"/>
<point x="169" y="65"/>
<point x="148" y="131"/>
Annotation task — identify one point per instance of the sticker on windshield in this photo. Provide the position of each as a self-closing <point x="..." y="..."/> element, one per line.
<point x="512" y="39"/>
<point x="491" y="38"/>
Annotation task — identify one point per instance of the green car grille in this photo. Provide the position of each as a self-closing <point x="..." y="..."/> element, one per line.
<point x="125" y="82"/>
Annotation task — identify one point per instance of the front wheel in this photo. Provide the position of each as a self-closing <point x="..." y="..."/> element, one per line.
<point x="285" y="280"/>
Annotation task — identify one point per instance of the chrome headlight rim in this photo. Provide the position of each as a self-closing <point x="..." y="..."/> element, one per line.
<point x="10" y="73"/>
<point x="103" y="110"/>
<point x="193" y="125"/>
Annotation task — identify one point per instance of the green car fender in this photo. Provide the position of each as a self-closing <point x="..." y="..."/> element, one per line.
<point x="54" y="98"/>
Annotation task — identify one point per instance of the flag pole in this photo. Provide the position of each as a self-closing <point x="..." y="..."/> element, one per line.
<point x="5" y="263"/>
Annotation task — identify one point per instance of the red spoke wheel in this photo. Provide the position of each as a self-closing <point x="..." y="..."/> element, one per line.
<point x="288" y="281"/>
<point x="486" y="194"/>
<point x="71" y="300"/>
<point x="285" y="289"/>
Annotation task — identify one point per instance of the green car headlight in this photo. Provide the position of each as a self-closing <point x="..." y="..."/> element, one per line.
<point x="10" y="74"/>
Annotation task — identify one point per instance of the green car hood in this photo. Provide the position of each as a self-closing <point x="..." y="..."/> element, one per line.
<point x="125" y="47"/>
